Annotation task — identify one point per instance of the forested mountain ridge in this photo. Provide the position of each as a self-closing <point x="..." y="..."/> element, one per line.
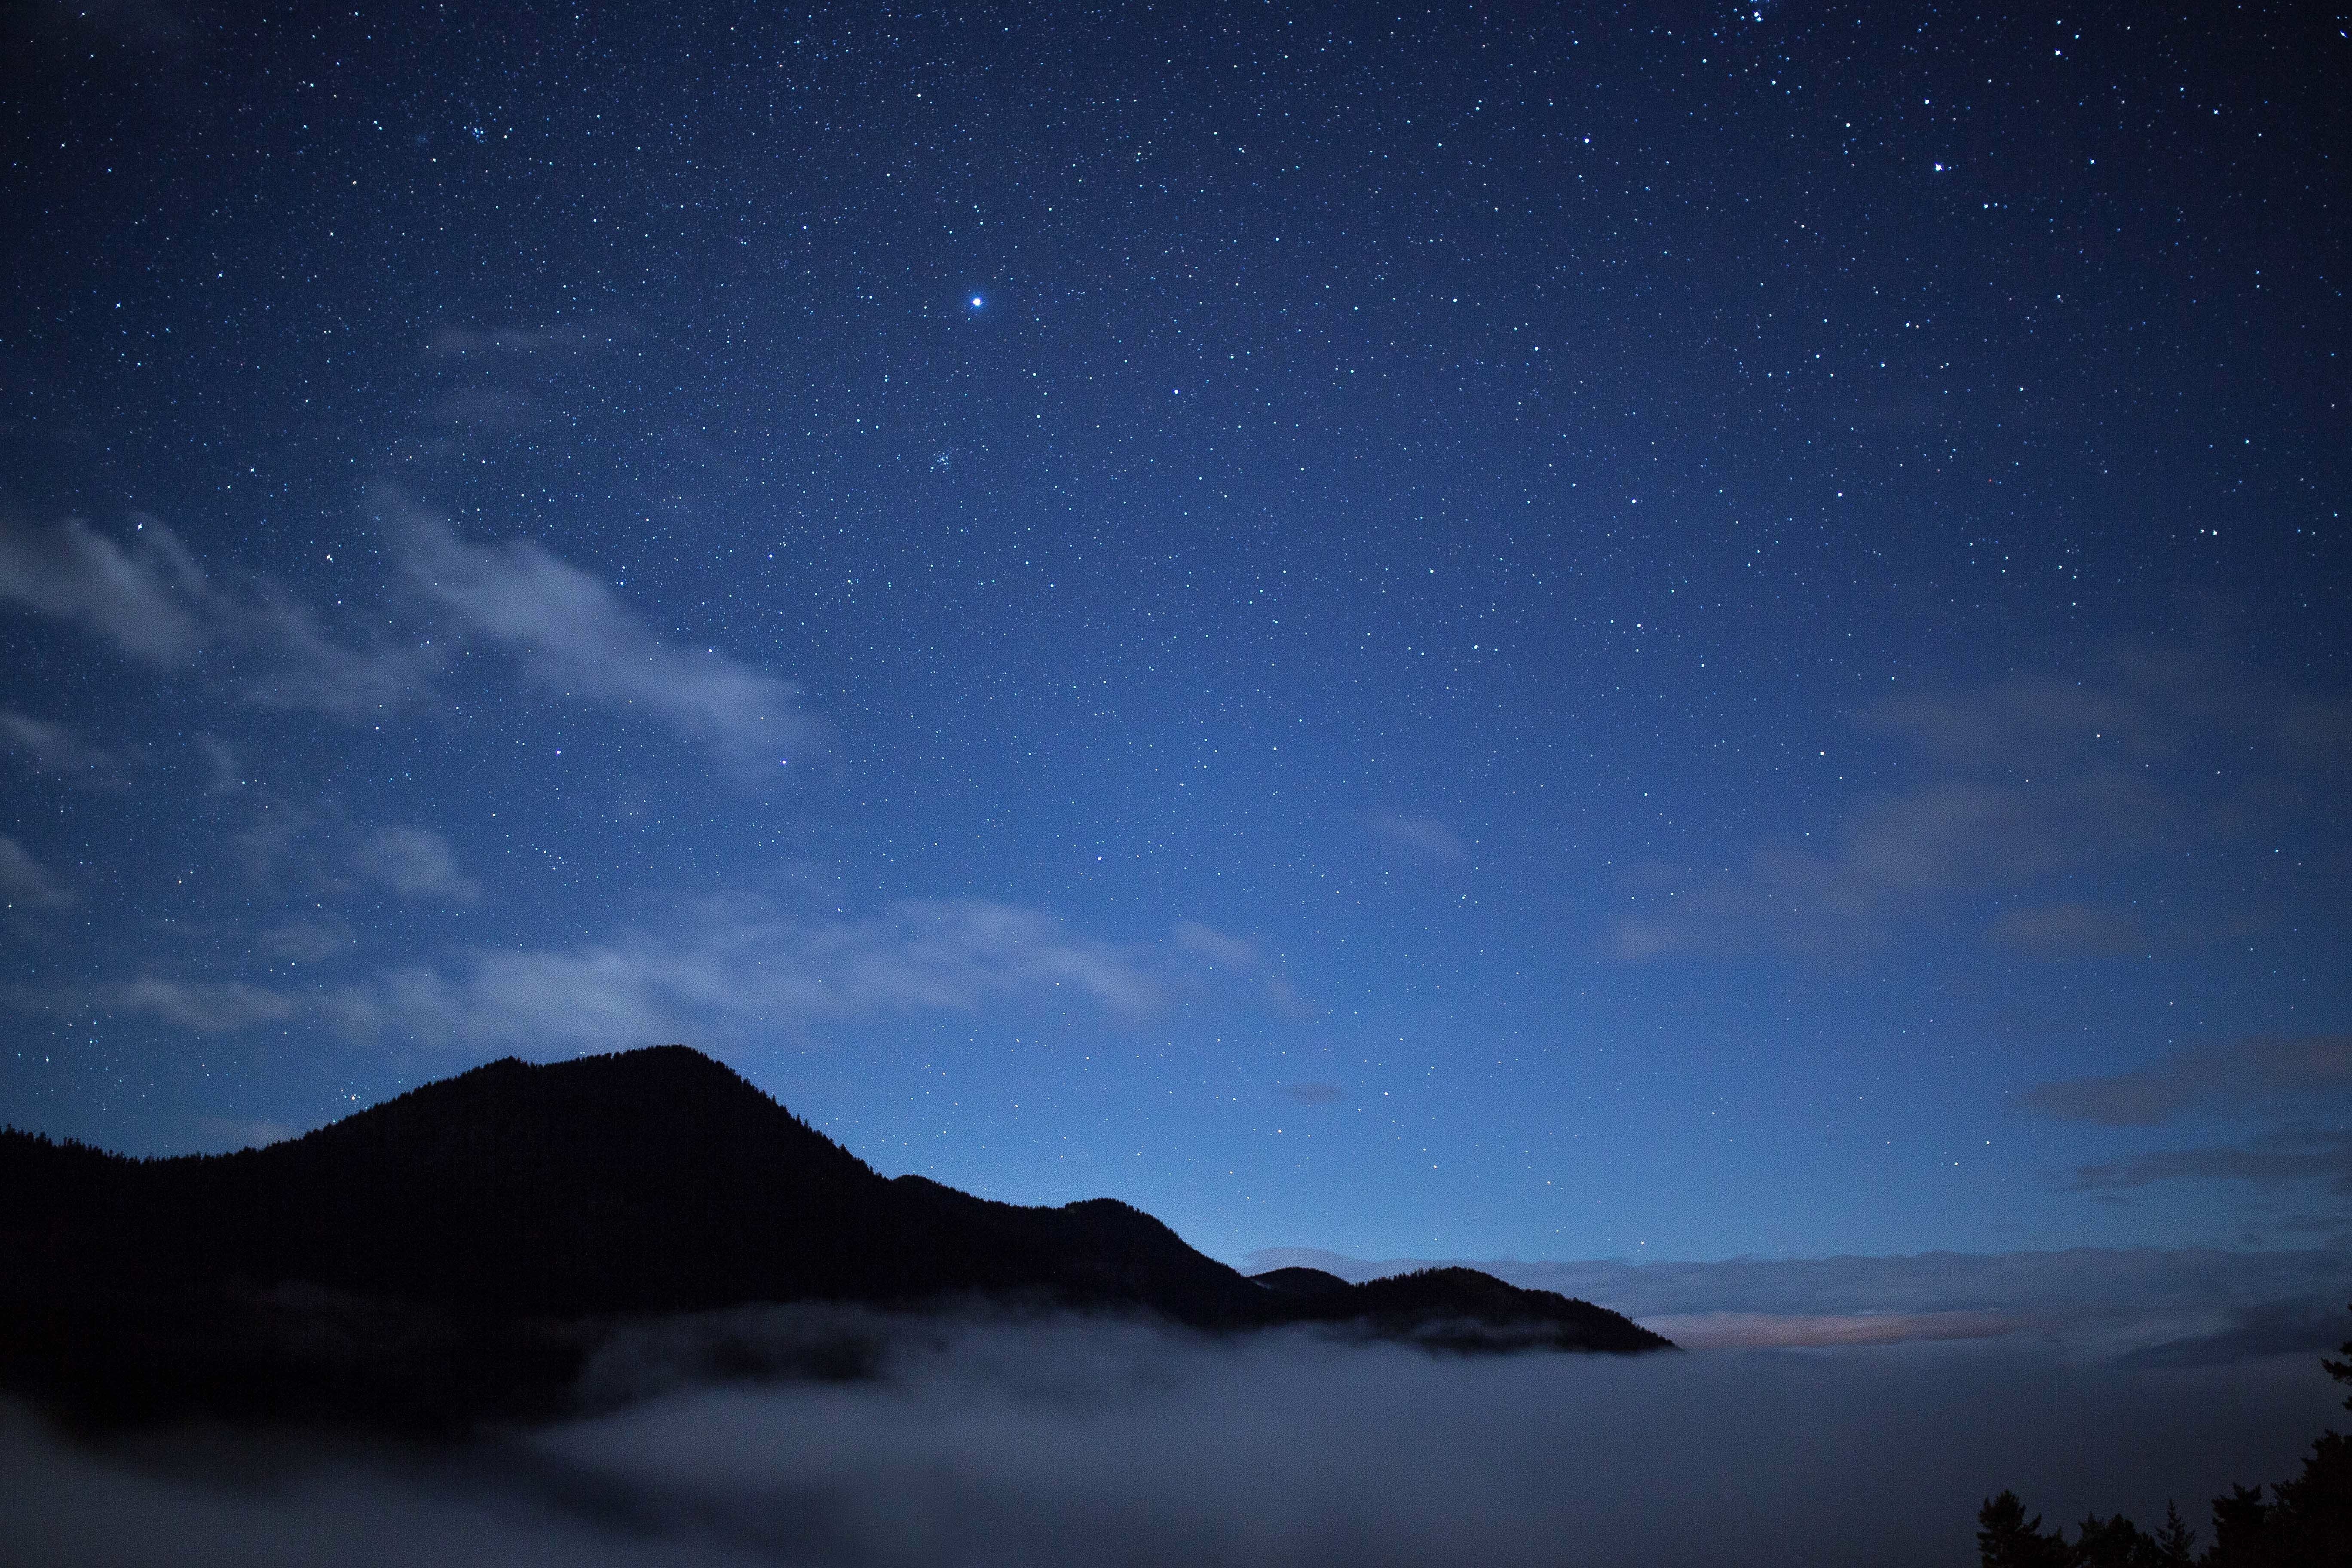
<point x="456" y="1248"/>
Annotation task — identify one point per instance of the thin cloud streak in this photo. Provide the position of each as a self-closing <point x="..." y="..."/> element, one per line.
<point x="730" y="972"/>
<point x="2018" y="783"/>
<point x="142" y="599"/>
<point x="575" y="638"/>
<point x="2233" y="1075"/>
<point x="156" y="604"/>
<point x="59" y="748"/>
<point x="2285" y="1156"/>
<point x="1423" y="837"/>
<point x="2096" y="1302"/>
<point x="26" y="883"/>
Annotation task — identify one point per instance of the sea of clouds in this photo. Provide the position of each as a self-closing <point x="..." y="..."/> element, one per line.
<point x="2145" y="1304"/>
<point x="1062" y="1441"/>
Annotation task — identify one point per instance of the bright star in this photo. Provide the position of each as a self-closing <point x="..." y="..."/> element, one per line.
<point x="977" y="302"/>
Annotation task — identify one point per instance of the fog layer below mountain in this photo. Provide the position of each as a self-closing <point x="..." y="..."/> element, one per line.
<point x="1068" y="1442"/>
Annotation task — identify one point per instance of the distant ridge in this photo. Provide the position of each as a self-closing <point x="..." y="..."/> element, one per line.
<point x="454" y="1253"/>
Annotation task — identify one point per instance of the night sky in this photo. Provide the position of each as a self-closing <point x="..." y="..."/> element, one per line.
<point x="1659" y="632"/>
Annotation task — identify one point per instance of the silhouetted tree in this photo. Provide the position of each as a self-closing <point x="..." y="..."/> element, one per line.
<point x="2007" y="1539"/>
<point x="2176" y="1540"/>
<point x="2114" y="1543"/>
<point x="2305" y="1523"/>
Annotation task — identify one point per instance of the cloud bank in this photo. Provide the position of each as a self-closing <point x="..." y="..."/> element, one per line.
<point x="1074" y="1443"/>
<point x="2190" y="1304"/>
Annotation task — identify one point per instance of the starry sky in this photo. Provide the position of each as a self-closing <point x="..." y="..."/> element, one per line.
<point x="1676" y="631"/>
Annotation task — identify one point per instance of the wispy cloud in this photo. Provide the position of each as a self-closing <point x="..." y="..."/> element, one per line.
<point x="2284" y="1156"/>
<point x="2069" y="930"/>
<point x="506" y="380"/>
<point x="1207" y="942"/>
<point x="26" y="883"/>
<point x="575" y="638"/>
<point x="1894" y="859"/>
<point x="2016" y="784"/>
<point x="304" y="668"/>
<point x="416" y="863"/>
<point x="1423" y="836"/>
<point x="717" y="975"/>
<point x="2276" y="1076"/>
<point x="146" y="599"/>
<point x="154" y="603"/>
<point x="1240" y="957"/>
<point x="2231" y="1075"/>
<point x="731" y="971"/>
<point x="1789" y="1331"/>
<point x="224" y="772"/>
<point x="208" y="1007"/>
<point x="58" y="749"/>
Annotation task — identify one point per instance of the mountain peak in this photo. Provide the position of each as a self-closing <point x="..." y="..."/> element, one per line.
<point x="579" y="1191"/>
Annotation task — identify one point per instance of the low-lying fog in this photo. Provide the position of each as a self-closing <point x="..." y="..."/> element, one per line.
<point x="1073" y="1442"/>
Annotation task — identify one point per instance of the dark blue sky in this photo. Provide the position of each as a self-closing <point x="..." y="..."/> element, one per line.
<point x="1559" y="631"/>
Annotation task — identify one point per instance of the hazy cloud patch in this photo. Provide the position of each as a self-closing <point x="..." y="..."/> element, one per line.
<point x="729" y="970"/>
<point x="713" y="974"/>
<point x="2231" y="1075"/>
<point x="2283" y="1156"/>
<point x="307" y="669"/>
<point x="1239" y="956"/>
<point x="155" y="603"/>
<point x="307" y="940"/>
<point x="224" y="772"/>
<point x="2069" y="931"/>
<point x="1894" y="858"/>
<point x="26" y="883"/>
<point x="2015" y="784"/>
<point x="416" y="863"/>
<point x="143" y="599"/>
<point x="1423" y="836"/>
<point x="207" y="1006"/>
<point x="1757" y="1331"/>
<point x="1207" y="942"/>
<point x="58" y="749"/>
<point x="574" y="637"/>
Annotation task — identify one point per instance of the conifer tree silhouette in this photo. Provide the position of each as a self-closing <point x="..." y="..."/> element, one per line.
<point x="2305" y="1523"/>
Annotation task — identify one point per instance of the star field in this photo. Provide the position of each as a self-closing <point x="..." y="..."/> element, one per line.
<point x="1685" y="630"/>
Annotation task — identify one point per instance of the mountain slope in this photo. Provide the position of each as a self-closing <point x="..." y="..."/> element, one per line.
<point x="451" y="1252"/>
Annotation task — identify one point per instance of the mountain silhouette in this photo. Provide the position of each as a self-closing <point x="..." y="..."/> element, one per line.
<point x="454" y="1254"/>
